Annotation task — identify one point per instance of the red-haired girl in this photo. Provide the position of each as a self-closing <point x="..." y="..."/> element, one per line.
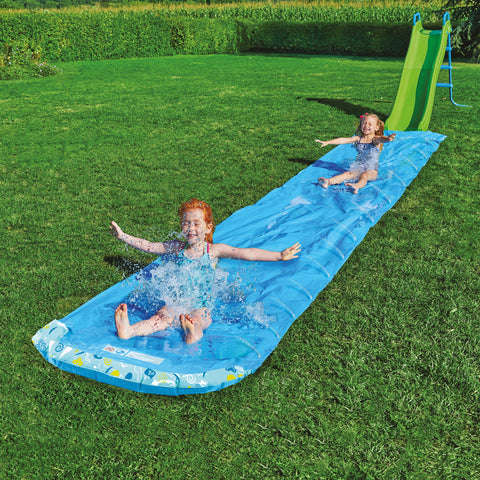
<point x="196" y="251"/>
<point x="369" y="140"/>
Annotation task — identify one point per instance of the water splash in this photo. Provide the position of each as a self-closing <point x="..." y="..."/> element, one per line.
<point x="181" y="288"/>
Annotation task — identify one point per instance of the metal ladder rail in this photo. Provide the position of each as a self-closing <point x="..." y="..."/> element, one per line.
<point x="448" y="51"/>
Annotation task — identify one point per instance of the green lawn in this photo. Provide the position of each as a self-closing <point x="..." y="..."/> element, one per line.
<point x="378" y="379"/>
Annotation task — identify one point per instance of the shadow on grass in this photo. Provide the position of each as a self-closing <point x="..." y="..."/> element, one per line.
<point x="128" y="267"/>
<point x="346" y="107"/>
<point x="303" y="161"/>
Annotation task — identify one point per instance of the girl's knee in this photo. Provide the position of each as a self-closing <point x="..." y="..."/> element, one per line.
<point x="203" y="317"/>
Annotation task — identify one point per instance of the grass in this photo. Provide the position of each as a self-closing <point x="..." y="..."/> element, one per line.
<point x="378" y="379"/>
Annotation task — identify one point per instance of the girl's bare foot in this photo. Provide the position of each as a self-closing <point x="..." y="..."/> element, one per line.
<point x="121" y="321"/>
<point x="353" y="185"/>
<point x="324" y="182"/>
<point x="193" y="331"/>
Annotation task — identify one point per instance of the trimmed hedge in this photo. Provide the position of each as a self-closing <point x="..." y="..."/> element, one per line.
<point x="109" y="34"/>
<point x="207" y="36"/>
<point x="67" y="36"/>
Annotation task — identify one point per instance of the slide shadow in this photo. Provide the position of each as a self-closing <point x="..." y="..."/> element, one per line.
<point x="347" y="107"/>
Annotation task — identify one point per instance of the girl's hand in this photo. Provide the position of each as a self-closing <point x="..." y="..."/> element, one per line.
<point x="391" y="137"/>
<point x="115" y="230"/>
<point x="291" y="252"/>
<point x="323" y="143"/>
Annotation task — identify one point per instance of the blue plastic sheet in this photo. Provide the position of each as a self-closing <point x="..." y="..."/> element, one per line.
<point x="265" y="297"/>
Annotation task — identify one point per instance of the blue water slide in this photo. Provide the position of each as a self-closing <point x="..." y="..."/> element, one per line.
<point x="260" y="301"/>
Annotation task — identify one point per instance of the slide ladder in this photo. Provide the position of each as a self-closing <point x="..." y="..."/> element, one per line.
<point x="448" y="67"/>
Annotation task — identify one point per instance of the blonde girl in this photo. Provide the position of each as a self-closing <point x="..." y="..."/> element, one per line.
<point x="368" y="140"/>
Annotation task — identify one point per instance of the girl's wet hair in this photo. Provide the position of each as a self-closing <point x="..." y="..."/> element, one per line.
<point x="207" y="213"/>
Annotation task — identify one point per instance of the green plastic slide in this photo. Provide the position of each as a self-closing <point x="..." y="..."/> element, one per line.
<point x="414" y="102"/>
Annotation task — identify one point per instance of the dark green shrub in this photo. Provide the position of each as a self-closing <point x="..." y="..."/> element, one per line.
<point x="332" y="38"/>
<point x="23" y="59"/>
<point x="466" y="34"/>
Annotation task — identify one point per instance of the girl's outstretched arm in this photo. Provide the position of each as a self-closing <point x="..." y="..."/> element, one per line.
<point x="339" y="141"/>
<point x="221" y="250"/>
<point x="385" y="139"/>
<point x="157" y="248"/>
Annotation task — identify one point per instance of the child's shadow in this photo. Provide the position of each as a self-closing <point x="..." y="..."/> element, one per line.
<point x="128" y="267"/>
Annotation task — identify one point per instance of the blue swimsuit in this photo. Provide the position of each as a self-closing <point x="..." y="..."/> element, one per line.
<point x="367" y="157"/>
<point x="199" y="277"/>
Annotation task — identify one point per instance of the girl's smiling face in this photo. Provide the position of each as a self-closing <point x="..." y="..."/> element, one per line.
<point x="370" y="125"/>
<point x="194" y="226"/>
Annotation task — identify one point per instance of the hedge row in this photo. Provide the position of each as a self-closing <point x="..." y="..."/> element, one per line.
<point x="97" y="35"/>
<point x="90" y="36"/>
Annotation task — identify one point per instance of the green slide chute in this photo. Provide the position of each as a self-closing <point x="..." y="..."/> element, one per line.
<point x="414" y="102"/>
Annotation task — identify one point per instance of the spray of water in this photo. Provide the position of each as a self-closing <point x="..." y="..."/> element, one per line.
<point x="182" y="288"/>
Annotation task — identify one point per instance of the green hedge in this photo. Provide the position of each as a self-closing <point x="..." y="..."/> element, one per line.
<point x="207" y="36"/>
<point x="66" y="36"/>
<point x="99" y="35"/>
